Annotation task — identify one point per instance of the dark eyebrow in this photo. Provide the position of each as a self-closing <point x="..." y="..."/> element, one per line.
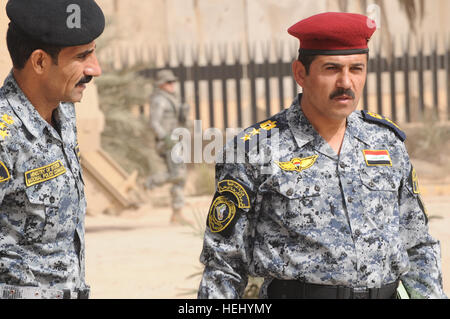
<point x="338" y="65"/>
<point x="332" y="64"/>
<point x="86" y="53"/>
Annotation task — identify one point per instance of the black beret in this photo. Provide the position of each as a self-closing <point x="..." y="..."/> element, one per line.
<point x="57" y="22"/>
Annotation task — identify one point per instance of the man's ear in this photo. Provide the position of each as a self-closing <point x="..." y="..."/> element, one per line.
<point x="40" y="61"/>
<point x="299" y="71"/>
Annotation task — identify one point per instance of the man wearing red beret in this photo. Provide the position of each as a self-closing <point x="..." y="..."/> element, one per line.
<point x="336" y="213"/>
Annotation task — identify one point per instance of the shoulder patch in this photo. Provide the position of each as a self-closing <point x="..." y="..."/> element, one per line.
<point x="221" y="213"/>
<point x="376" y="118"/>
<point x="237" y="190"/>
<point x="4" y="173"/>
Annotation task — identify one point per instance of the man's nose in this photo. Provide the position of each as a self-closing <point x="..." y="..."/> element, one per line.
<point x="344" y="80"/>
<point x="93" y="67"/>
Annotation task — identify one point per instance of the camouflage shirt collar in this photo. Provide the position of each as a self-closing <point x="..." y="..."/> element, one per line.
<point x="300" y="127"/>
<point x="356" y="129"/>
<point x="305" y="133"/>
<point x="23" y="108"/>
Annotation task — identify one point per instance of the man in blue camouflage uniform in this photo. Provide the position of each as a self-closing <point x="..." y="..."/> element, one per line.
<point x="325" y="204"/>
<point x="42" y="201"/>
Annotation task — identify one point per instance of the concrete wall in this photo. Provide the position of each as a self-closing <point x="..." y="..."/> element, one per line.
<point x="5" y="61"/>
<point x="217" y="21"/>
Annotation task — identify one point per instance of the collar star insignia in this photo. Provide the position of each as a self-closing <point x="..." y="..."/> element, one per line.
<point x="246" y="137"/>
<point x="255" y="132"/>
<point x="8" y="119"/>
<point x="268" y="125"/>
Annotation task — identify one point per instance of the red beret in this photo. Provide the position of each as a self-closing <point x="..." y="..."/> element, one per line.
<point x="334" y="33"/>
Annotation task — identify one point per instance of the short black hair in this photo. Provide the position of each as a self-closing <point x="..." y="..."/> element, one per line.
<point x="307" y="60"/>
<point x="21" y="46"/>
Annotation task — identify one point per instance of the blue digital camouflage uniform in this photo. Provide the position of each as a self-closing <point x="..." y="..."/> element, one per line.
<point x="354" y="220"/>
<point x="42" y="202"/>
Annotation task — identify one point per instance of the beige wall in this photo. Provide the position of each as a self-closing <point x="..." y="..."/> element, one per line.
<point x="5" y="62"/>
<point x="162" y="22"/>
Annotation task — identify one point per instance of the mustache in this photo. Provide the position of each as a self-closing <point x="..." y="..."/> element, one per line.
<point x="85" y="79"/>
<point x="340" y="92"/>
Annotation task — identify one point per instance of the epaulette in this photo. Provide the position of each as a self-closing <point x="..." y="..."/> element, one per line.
<point x="251" y="136"/>
<point x="376" y="118"/>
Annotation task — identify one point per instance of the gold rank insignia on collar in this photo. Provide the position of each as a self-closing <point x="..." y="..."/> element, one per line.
<point x="267" y="126"/>
<point x="298" y="164"/>
<point x="5" y="121"/>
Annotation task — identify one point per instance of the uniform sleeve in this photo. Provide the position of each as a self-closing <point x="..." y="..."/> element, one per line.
<point x="157" y="108"/>
<point x="227" y="247"/>
<point x="424" y="278"/>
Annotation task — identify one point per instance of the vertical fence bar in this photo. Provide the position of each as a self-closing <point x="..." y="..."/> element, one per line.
<point x="181" y="72"/>
<point x="420" y="71"/>
<point x="209" y="57"/>
<point x="195" y="76"/>
<point x="279" y="52"/>
<point x="266" y="72"/>
<point x="378" y="70"/>
<point x="223" y="63"/>
<point x="435" y="70"/>
<point x="252" y="78"/>
<point x="393" y="88"/>
<point x="166" y="56"/>
<point x="294" y="56"/>
<point x="366" y="89"/>
<point x="406" y="65"/>
<point x="237" y="52"/>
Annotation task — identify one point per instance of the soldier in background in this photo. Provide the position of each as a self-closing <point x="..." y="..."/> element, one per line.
<point x="42" y="201"/>
<point x="167" y="113"/>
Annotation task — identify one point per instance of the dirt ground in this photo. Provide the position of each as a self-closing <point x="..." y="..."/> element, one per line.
<point x="140" y="255"/>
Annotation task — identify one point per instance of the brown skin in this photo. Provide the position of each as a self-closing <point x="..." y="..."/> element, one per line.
<point x="47" y="84"/>
<point x="168" y="87"/>
<point x="327" y="75"/>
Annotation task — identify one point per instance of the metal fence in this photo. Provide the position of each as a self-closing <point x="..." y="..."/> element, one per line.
<point x="407" y="77"/>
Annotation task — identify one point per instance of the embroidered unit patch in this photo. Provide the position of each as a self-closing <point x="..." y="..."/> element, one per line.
<point x="237" y="190"/>
<point x="42" y="174"/>
<point x="221" y="213"/>
<point x="4" y="173"/>
<point x="298" y="164"/>
<point x="377" y="158"/>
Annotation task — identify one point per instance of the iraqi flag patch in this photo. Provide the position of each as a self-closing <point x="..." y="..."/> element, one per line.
<point x="377" y="158"/>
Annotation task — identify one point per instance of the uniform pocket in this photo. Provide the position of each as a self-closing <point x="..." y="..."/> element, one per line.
<point x="42" y="214"/>
<point x="380" y="178"/>
<point x="297" y="201"/>
<point x="380" y="193"/>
